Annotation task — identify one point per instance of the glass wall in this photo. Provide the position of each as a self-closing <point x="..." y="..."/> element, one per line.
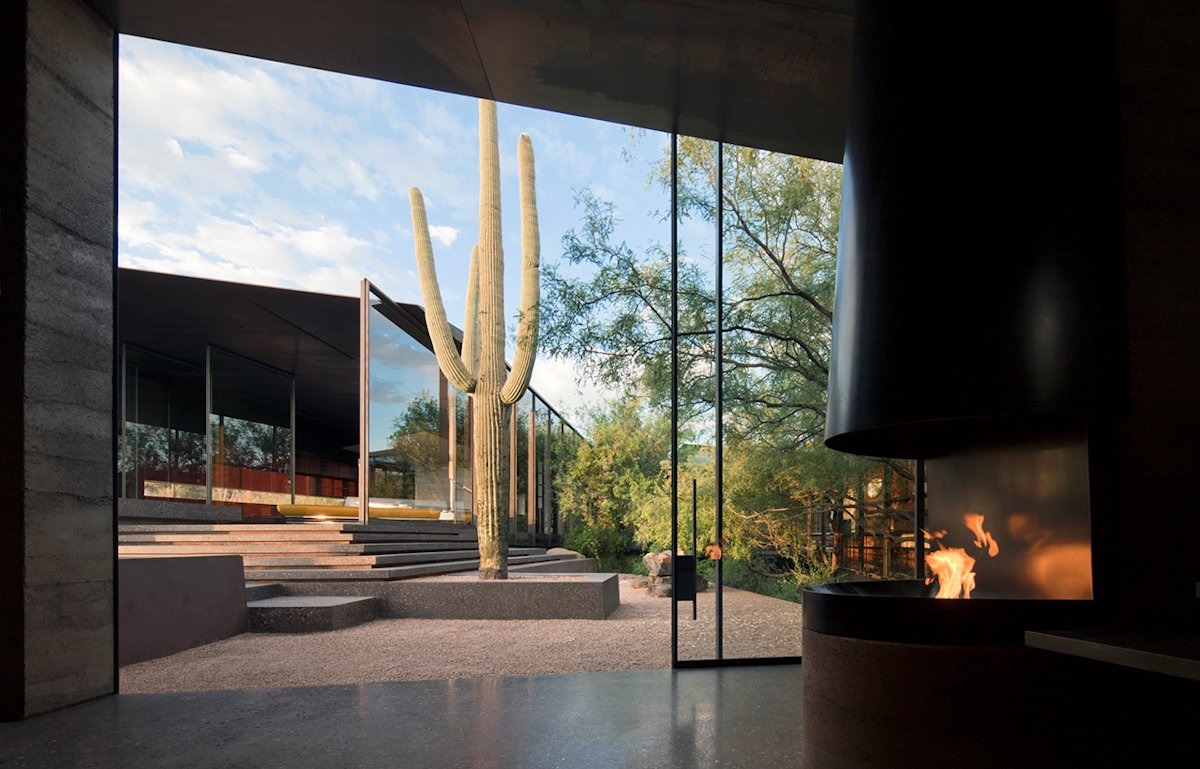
<point x="412" y="412"/>
<point x="523" y="519"/>
<point x="755" y="256"/>
<point x="226" y="432"/>
<point x="251" y="423"/>
<point x="699" y="521"/>
<point x="162" y="439"/>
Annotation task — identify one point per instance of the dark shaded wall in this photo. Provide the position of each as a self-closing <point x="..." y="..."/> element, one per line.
<point x="1154" y="546"/>
<point x="56" y="375"/>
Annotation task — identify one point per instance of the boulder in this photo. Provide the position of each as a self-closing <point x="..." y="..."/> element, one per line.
<point x="658" y="564"/>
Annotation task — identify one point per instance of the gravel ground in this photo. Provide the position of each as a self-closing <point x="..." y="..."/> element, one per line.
<point x="637" y="636"/>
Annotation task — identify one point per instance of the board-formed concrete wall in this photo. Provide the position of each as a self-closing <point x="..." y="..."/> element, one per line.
<point x="64" y="517"/>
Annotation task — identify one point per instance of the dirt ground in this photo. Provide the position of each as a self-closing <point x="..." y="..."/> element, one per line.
<point x="637" y="636"/>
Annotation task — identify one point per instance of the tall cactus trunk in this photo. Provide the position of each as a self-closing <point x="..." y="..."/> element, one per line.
<point x="481" y="372"/>
<point x="491" y="513"/>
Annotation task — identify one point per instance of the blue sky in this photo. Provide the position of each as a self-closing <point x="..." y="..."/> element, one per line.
<point x="252" y="171"/>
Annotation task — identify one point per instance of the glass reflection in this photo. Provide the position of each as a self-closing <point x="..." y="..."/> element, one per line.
<point x="162" y="440"/>
<point x="250" y="434"/>
<point x="409" y="423"/>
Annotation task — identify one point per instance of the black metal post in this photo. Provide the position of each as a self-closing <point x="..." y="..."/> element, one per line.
<point x="919" y="521"/>
<point x="674" y="386"/>
<point x="719" y="352"/>
<point x="694" y="553"/>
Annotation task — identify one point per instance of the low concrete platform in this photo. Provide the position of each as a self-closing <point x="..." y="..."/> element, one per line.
<point x="521" y="596"/>
<point x="306" y="614"/>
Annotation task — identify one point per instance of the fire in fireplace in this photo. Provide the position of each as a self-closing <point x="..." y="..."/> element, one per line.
<point x="1011" y="521"/>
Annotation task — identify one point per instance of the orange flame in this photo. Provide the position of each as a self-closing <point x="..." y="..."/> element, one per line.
<point x="951" y="566"/>
<point x="974" y="522"/>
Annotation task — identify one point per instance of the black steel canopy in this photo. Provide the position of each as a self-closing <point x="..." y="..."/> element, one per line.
<point x="311" y="336"/>
<point x="771" y="74"/>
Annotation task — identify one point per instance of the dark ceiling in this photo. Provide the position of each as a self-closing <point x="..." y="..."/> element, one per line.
<point x="772" y="74"/>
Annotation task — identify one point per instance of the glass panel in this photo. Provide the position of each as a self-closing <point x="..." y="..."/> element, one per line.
<point x="250" y="434"/>
<point x="805" y="513"/>
<point x="541" y="419"/>
<point x="698" y="622"/>
<point x="409" y="423"/>
<point x="553" y="424"/>
<point x="462" y="478"/>
<point x="524" y="512"/>
<point x="1012" y="521"/>
<point x="162" y="440"/>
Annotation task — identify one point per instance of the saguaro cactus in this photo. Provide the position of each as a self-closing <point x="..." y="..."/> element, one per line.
<point x="479" y="369"/>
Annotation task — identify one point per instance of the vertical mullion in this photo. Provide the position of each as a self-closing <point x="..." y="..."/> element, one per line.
<point x="208" y="431"/>
<point x="719" y="351"/>
<point x="674" y="386"/>
<point x="364" y="394"/>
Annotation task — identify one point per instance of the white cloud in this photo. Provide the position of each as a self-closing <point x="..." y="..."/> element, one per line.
<point x="443" y="234"/>
<point x="555" y="379"/>
<point x="242" y="161"/>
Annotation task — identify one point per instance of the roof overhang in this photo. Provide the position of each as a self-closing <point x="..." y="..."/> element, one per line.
<point x="772" y="74"/>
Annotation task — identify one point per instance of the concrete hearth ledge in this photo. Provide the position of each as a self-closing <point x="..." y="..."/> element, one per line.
<point x="521" y="596"/>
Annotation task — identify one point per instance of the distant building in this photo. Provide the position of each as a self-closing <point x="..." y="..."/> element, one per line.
<point x="248" y="397"/>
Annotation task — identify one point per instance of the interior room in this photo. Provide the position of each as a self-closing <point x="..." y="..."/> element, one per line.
<point x="973" y="120"/>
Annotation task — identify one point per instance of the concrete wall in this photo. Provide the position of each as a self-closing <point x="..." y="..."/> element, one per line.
<point x="61" y="529"/>
<point x="166" y="605"/>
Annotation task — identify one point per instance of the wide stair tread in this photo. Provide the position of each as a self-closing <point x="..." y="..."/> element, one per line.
<point x="284" y="548"/>
<point x="323" y="551"/>
<point x="367" y="561"/>
<point x="386" y="572"/>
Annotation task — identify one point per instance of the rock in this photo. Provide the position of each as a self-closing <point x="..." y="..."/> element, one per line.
<point x="658" y="563"/>
<point x="563" y="551"/>
<point x="639" y="582"/>
<point x="701" y="584"/>
<point x="661" y="590"/>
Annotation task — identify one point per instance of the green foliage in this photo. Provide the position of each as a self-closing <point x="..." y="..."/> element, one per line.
<point x="607" y="307"/>
<point x="603" y="481"/>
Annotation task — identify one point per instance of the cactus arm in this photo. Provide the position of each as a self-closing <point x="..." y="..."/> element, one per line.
<point x="470" y="345"/>
<point x="527" y="324"/>
<point x="490" y="370"/>
<point x="435" y="312"/>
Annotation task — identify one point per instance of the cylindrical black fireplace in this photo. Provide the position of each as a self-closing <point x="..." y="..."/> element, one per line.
<point x="979" y="268"/>
<point x="978" y="324"/>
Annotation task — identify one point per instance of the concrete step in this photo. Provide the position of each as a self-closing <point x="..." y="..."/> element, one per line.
<point x="380" y="527"/>
<point x="384" y="572"/>
<point x="286" y="548"/>
<point x="256" y="591"/>
<point x="367" y="561"/>
<point x="308" y="614"/>
<point x="300" y="538"/>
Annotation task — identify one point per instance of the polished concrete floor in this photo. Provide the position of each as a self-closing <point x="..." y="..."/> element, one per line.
<point x="660" y="719"/>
